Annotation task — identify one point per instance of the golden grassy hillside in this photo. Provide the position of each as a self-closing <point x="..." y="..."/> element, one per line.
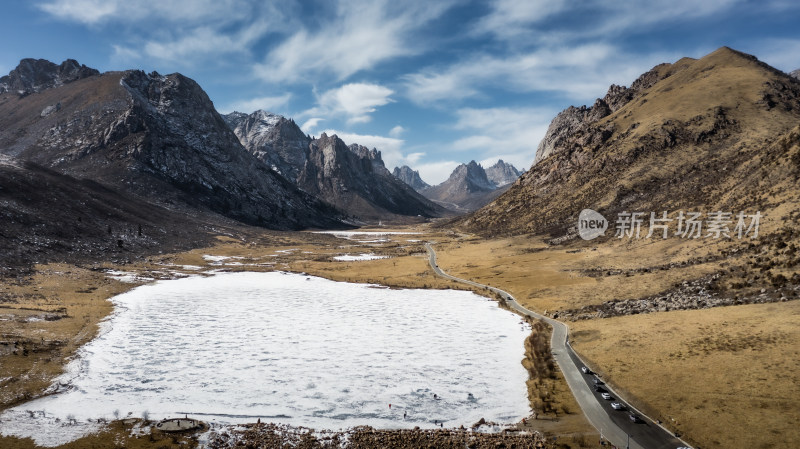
<point x="718" y="133"/>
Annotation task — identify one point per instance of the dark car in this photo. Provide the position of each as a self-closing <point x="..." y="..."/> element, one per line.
<point x="634" y="417"/>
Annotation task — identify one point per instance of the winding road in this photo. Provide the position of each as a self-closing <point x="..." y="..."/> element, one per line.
<point x="614" y="425"/>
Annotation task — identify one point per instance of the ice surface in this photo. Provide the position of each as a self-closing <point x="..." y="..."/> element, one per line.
<point x="352" y="234"/>
<point x="349" y="258"/>
<point x="301" y="350"/>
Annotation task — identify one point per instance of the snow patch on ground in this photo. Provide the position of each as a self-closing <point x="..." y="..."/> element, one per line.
<point x="351" y="235"/>
<point x="295" y="349"/>
<point x="127" y="276"/>
<point x="349" y="258"/>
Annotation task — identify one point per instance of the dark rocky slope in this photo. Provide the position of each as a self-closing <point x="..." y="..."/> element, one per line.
<point x="410" y="177"/>
<point x="352" y="178"/>
<point x="156" y="137"/>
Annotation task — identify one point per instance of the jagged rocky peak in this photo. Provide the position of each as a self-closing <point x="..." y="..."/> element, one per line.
<point x="575" y="120"/>
<point x="159" y="137"/>
<point x="35" y="75"/>
<point x="795" y="74"/>
<point x="274" y="139"/>
<point x="473" y="175"/>
<point x="502" y="173"/>
<point x="410" y="177"/>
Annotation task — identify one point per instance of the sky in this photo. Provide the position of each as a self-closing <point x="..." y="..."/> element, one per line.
<point x="431" y="84"/>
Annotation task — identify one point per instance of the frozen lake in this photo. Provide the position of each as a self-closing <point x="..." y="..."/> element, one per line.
<point x="290" y="348"/>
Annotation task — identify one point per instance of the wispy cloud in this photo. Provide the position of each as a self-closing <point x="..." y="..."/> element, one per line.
<point x="268" y="103"/>
<point x="355" y="101"/>
<point x="512" y="134"/>
<point x="783" y="54"/>
<point x="311" y="124"/>
<point x="397" y="131"/>
<point x="580" y="72"/>
<point x="436" y="172"/>
<point x="511" y="20"/>
<point x="359" y="35"/>
<point x="101" y="11"/>
<point x="183" y="32"/>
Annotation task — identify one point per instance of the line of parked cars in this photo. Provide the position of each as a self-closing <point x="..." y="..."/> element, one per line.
<point x="598" y="387"/>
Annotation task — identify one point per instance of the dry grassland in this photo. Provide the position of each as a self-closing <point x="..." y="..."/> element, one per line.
<point x="724" y="377"/>
<point x="716" y="372"/>
<point x="727" y="377"/>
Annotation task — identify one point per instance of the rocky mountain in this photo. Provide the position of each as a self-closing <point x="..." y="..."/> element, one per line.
<point x="154" y="136"/>
<point x="47" y="216"/>
<point x="502" y="173"/>
<point x="795" y="74"/>
<point x="410" y="177"/>
<point x="352" y="178"/>
<point x="468" y="188"/>
<point x="718" y="133"/>
<point x="34" y="75"/>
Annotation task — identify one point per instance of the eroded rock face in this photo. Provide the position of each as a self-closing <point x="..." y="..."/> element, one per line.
<point x="410" y="177"/>
<point x="353" y="178"/>
<point x="158" y="137"/>
<point x="795" y="74"/>
<point x="573" y="126"/>
<point x="467" y="188"/>
<point x="35" y="75"/>
<point x="274" y="139"/>
<point x="683" y="135"/>
<point x="502" y="173"/>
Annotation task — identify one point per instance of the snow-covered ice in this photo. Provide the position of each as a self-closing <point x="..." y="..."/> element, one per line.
<point x="235" y="347"/>
<point x="353" y="234"/>
<point x="127" y="277"/>
<point x="357" y="257"/>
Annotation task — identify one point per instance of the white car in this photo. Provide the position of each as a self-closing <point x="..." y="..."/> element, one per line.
<point x="618" y="406"/>
<point x="605" y="396"/>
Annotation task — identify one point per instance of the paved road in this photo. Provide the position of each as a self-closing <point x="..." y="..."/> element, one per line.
<point x="614" y="425"/>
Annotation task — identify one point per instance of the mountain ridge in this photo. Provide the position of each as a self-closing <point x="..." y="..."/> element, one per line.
<point x="157" y="137"/>
<point x="701" y="124"/>
<point x="350" y="177"/>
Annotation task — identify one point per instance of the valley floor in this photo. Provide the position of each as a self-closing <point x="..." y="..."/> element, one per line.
<point x="722" y="376"/>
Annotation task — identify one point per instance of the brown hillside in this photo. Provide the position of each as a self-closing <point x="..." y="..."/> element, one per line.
<point x="718" y="133"/>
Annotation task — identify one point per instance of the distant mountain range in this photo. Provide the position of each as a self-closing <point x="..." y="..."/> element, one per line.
<point x="352" y="178"/>
<point x="469" y="186"/>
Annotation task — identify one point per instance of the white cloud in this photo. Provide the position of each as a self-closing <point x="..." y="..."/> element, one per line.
<point x="512" y="134"/>
<point x="359" y="35"/>
<point x="783" y="54"/>
<point x="413" y="158"/>
<point x="355" y="101"/>
<point x="270" y="104"/>
<point x="182" y="32"/>
<point x="436" y="172"/>
<point x="310" y="124"/>
<point x="397" y="131"/>
<point x="181" y="11"/>
<point x="582" y="73"/>
<point x="205" y="41"/>
<point x="510" y="20"/>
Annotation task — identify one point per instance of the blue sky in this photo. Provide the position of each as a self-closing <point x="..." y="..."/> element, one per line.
<point x="429" y="83"/>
